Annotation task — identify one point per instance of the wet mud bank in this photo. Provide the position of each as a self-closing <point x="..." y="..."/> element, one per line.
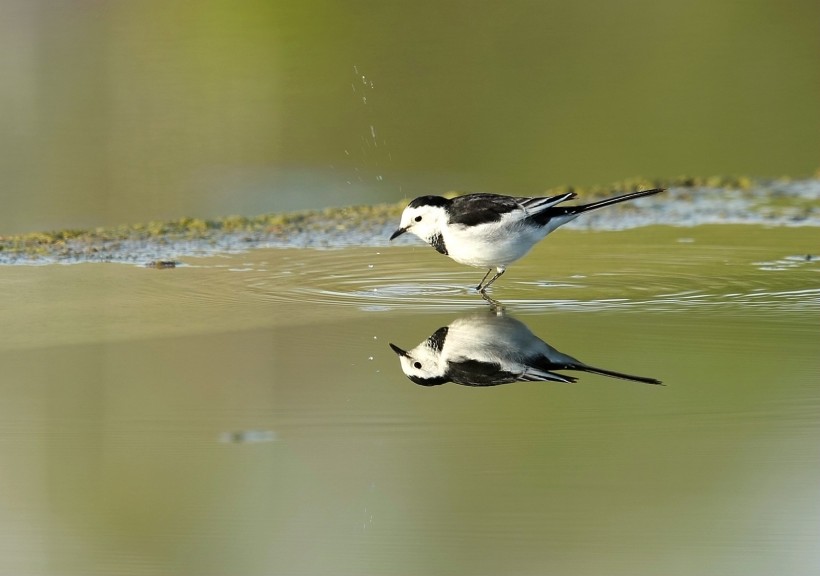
<point x="687" y="202"/>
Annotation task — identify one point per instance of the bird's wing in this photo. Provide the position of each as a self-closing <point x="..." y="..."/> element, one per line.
<point x="475" y="209"/>
<point x="471" y="372"/>
<point x="536" y="205"/>
<point x="535" y="375"/>
<point x="540" y="367"/>
<point x="541" y="211"/>
<point x="478" y="373"/>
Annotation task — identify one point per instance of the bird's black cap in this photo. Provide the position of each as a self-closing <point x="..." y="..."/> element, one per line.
<point x="429" y="201"/>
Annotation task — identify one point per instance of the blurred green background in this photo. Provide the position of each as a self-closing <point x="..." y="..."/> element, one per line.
<point x="117" y="112"/>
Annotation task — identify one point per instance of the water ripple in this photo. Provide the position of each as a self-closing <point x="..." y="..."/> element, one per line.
<point x="366" y="280"/>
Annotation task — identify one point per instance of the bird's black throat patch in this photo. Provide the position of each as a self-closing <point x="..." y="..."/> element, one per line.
<point x="432" y="381"/>
<point x="436" y="340"/>
<point x="437" y="242"/>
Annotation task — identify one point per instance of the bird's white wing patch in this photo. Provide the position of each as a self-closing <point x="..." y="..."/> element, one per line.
<point x="535" y="205"/>
<point x="536" y="375"/>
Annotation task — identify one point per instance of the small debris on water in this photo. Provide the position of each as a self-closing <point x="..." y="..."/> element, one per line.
<point x="161" y="264"/>
<point x="248" y="437"/>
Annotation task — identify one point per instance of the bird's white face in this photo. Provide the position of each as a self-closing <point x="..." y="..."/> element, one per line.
<point x="422" y="364"/>
<point x="423" y="221"/>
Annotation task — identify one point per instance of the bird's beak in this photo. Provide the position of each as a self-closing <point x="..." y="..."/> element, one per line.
<point x="398" y="233"/>
<point x="398" y="350"/>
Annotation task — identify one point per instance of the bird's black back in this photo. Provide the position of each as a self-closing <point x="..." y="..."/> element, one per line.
<point x="481" y="208"/>
<point x="475" y="209"/>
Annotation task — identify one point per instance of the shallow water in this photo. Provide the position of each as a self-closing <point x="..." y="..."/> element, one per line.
<point x="244" y="414"/>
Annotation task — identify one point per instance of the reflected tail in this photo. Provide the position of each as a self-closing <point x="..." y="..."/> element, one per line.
<point x="619" y="375"/>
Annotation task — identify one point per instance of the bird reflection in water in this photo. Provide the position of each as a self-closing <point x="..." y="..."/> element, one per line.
<point x="489" y="349"/>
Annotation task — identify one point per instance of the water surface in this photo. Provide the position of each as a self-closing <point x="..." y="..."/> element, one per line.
<point x="244" y="414"/>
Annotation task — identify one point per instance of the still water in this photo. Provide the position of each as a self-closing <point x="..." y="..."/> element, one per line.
<point x="117" y="112"/>
<point x="245" y="414"/>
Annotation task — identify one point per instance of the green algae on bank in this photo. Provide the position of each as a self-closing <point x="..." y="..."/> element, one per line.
<point x="157" y="240"/>
<point x="687" y="202"/>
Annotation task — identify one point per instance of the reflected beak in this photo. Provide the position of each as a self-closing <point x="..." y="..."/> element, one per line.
<point x="398" y="350"/>
<point x="398" y="233"/>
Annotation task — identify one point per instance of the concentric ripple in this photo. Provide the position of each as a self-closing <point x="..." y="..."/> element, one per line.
<point x="372" y="280"/>
<point x="364" y="279"/>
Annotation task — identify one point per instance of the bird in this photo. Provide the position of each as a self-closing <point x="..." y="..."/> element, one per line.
<point x="492" y="230"/>
<point x="488" y="349"/>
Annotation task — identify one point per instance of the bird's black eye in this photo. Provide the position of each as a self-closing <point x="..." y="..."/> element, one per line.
<point x="417" y="365"/>
<point x="418" y="218"/>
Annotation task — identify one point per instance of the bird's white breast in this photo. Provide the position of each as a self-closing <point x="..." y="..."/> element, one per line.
<point x="491" y="245"/>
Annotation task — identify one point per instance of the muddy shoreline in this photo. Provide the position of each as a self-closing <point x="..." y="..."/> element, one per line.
<point x="687" y="202"/>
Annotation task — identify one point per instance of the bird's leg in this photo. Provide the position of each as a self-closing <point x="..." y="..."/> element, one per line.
<point x="483" y="279"/>
<point x="495" y="305"/>
<point x="493" y="279"/>
<point x="483" y="291"/>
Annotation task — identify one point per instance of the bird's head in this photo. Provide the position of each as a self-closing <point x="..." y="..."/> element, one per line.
<point x="426" y="217"/>
<point x="425" y="364"/>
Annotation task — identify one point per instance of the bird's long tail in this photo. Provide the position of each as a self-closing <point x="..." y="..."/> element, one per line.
<point x="556" y="216"/>
<point x="609" y="201"/>
<point x="613" y="374"/>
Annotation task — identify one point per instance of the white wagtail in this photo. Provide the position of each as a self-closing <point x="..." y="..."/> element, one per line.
<point x="490" y="230"/>
<point x="488" y="349"/>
